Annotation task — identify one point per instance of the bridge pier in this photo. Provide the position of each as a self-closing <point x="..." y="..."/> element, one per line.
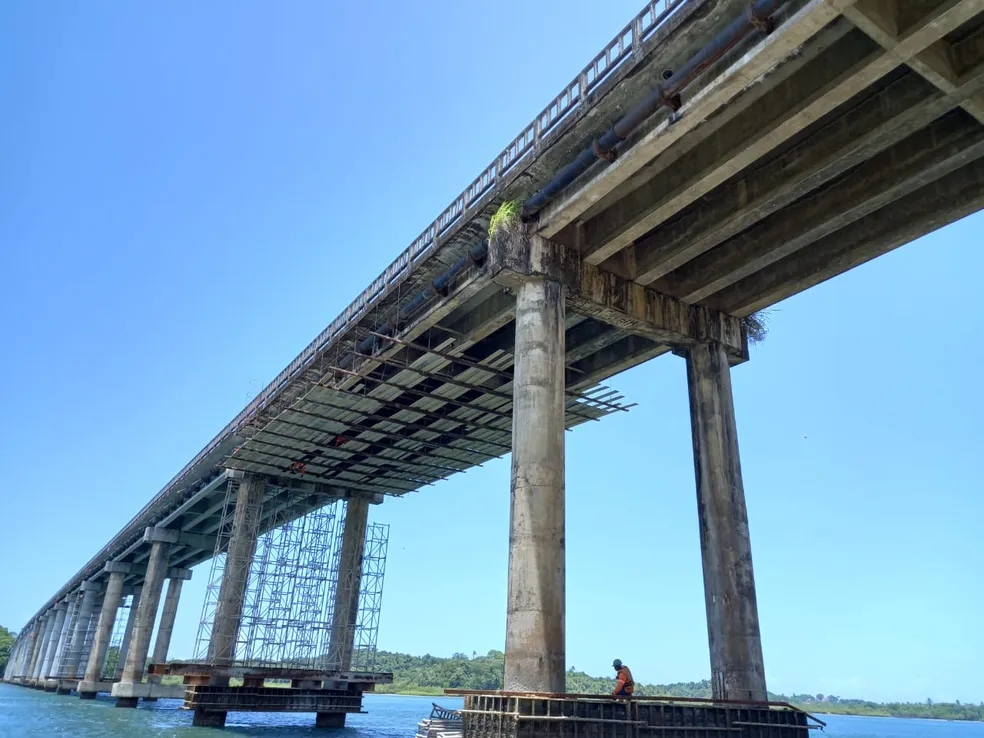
<point x="535" y="610"/>
<point x="117" y="571"/>
<point x="737" y="670"/>
<point x="64" y="638"/>
<point x="176" y="577"/>
<point x="87" y="607"/>
<point x="143" y="625"/>
<point x="232" y="590"/>
<point x="131" y="619"/>
<point x="58" y="623"/>
<point x="42" y="649"/>
<point x="346" y="609"/>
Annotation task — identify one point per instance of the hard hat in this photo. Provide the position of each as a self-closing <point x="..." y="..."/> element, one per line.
<point x="617" y="663"/>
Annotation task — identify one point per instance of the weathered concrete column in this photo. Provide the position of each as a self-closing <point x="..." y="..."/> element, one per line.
<point x="49" y="624"/>
<point x="150" y="597"/>
<point x="737" y="670"/>
<point x="104" y="628"/>
<point x="24" y="662"/>
<point x="176" y="577"/>
<point x="65" y="637"/>
<point x="239" y="559"/>
<point x="537" y="271"/>
<point x="90" y="593"/>
<point x="345" y="612"/>
<point x="56" y="630"/>
<point x="131" y="619"/>
<point x="232" y="590"/>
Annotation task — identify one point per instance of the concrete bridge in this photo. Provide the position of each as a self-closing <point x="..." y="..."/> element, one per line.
<point x="715" y="158"/>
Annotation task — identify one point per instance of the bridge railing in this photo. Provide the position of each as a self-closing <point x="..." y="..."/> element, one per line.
<point x="628" y="41"/>
<point x="624" y="46"/>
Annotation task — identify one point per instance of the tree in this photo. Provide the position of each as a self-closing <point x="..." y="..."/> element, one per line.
<point x="6" y="643"/>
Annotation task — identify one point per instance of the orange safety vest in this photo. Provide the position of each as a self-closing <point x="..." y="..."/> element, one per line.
<point x="624" y="681"/>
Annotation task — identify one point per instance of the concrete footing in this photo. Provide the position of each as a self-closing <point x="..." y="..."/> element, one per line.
<point x="148" y="691"/>
<point x="87" y="690"/>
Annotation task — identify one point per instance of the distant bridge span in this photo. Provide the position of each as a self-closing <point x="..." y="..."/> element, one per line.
<point x="715" y="158"/>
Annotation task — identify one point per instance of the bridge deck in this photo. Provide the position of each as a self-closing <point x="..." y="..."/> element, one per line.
<point x="849" y="130"/>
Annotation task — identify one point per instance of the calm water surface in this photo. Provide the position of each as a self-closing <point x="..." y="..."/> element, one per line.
<point x="32" y="714"/>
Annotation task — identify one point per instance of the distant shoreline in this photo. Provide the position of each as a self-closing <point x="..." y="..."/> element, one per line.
<point x="806" y="707"/>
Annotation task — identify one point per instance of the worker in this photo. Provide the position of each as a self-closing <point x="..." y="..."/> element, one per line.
<point x="625" y="686"/>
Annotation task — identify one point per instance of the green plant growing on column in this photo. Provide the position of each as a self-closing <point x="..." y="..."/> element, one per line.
<point x="507" y="217"/>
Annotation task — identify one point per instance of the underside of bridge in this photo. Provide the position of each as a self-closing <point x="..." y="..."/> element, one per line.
<point x="717" y="157"/>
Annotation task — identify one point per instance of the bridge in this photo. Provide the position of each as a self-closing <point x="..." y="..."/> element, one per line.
<point x="716" y="157"/>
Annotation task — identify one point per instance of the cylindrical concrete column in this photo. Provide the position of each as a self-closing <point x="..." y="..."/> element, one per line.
<point x="349" y="580"/>
<point x="176" y="578"/>
<point x="239" y="558"/>
<point x="143" y="627"/>
<point x="535" y="628"/>
<point x="65" y="637"/>
<point x="104" y="631"/>
<point x="56" y="630"/>
<point x="737" y="670"/>
<point x="232" y="590"/>
<point x="90" y="593"/>
<point x="131" y="619"/>
<point x="24" y="660"/>
<point x="36" y="647"/>
<point x="49" y="624"/>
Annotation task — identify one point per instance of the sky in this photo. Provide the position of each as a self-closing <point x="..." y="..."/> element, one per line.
<point x="189" y="193"/>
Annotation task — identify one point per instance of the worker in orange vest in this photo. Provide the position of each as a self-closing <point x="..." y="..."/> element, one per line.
<point x="625" y="686"/>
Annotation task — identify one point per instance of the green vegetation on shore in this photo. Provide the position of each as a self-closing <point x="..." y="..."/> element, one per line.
<point x="430" y="675"/>
<point x="6" y="643"/>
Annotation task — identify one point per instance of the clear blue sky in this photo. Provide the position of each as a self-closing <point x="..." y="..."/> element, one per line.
<point x="190" y="192"/>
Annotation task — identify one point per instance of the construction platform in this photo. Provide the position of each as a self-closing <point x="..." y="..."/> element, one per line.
<point x="525" y="715"/>
<point x="332" y="695"/>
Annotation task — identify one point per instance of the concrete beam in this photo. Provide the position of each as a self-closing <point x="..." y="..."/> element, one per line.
<point x="921" y="158"/>
<point x="933" y="206"/>
<point x="888" y="25"/>
<point x="517" y="259"/>
<point x="869" y="127"/>
<point x="782" y="112"/>
<point x="705" y="104"/>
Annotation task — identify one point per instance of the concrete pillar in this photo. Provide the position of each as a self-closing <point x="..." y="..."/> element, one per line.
<point x="737" y="671"/>
<point x="131" y="619"/>
<point x="176" y="577"/>
<point x="49" y="624"/>
<point x="239" y="558"/>
<point x="90" y="593"/>
<point x="232" y="590"/>
<point x="24" y="659"/>
<point x="104" y="629"/>
<point x="36" y="647"/>
<point x="143" y="627"/>
<point x="65" y="637"/>
<point x="346" y="608"/>
<point x="535" y="628"/>
<point x="58" y="623"/>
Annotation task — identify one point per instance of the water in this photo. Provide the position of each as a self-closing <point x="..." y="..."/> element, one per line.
<point x="27" y="713"/>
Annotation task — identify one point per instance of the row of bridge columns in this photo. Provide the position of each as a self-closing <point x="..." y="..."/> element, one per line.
<point x="48" y="654"/>
<point x="535" y="617"/>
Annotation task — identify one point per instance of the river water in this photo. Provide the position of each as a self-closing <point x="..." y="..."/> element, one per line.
<point x="27" y="713"/>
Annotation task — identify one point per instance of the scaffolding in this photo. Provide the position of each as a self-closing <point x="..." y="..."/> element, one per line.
<point x="112" y="660"/>
<point x="292" y="585"/>
<point x="75" y="654"/>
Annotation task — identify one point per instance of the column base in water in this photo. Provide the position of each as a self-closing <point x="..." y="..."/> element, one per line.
<point x="209" y="719"/>
<point x="127" y="701"/>
<point x="330" y="720"/>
